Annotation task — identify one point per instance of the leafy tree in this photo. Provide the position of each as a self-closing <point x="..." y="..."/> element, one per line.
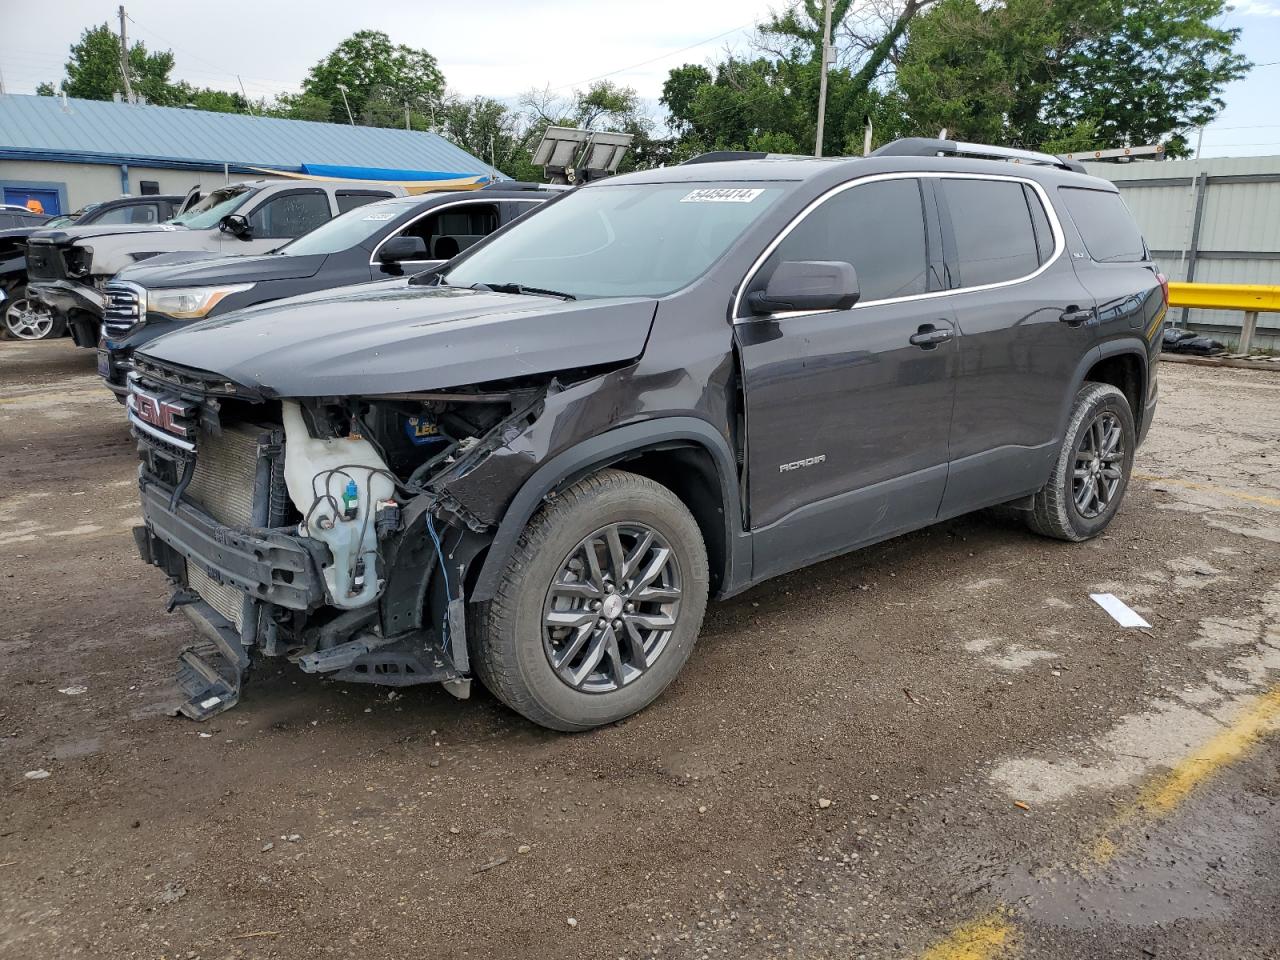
<point x="1159" y="70"/>
<point x="93" y="70"/>
<point x="380" y="78"/>
<point x="487" y="129"/>
<point x="1067" y="74"/>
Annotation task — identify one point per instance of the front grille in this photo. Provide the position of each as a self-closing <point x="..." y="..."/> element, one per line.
<point x="125" y="307"/>
<point x="228" y="485"/>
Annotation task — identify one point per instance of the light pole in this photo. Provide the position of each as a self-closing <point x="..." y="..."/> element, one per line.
<point x="342" y="89"/>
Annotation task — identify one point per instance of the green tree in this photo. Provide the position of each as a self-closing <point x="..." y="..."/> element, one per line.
<point x="379" y="79"/>
<point x="1159" y="70"/>
<point x="487" y="129"/>
<point x="93" y="70"/>
<point x="1067" y="74"/>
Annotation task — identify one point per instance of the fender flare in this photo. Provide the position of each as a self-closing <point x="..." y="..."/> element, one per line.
<point x="592" y="455"/>
<point x="1096" y="354"/>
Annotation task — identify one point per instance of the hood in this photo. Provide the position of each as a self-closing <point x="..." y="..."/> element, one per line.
<point x="394" y="338"/>
<point x="74" y="234"/>
<point x="199" y="269"/>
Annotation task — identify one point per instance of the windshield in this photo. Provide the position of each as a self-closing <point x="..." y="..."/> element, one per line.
<point x="214" y="207"/>
<point x="642" y="240"/>
<point x="347" y="230"/>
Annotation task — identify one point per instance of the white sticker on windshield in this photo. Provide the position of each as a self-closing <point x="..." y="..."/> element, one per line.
<point x="722" y="195"/>
<point x="380" y="216"/>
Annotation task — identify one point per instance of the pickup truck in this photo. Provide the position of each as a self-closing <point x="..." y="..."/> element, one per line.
<point x="67" y="268"/>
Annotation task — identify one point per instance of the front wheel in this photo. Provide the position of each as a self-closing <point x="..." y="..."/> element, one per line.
<point x="599" y="606"/>
<point x="1092" y="470"/>
<point x="24" y="319"/>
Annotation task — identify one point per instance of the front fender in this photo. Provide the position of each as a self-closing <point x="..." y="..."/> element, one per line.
<point x="600" y="451"/>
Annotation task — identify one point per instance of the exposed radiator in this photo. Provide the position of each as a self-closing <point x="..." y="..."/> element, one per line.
<point x="225" y="486"/>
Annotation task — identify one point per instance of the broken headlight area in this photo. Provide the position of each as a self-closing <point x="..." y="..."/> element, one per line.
<point x="324" y="530"/>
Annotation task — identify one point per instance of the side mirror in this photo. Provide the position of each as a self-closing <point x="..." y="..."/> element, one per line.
<point x="808" y="285"/>
<point x="402" y="248"/>
<point x="237" y="224"/>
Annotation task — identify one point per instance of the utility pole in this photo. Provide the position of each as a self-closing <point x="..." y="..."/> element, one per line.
<point x="822" y="82"/>
<point x="124" y="60"/>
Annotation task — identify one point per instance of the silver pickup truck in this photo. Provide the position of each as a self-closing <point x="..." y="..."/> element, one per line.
<point x="67" y="268"/>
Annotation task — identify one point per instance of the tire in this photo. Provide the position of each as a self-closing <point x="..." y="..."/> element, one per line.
<point x="512" y="648"/>
<point x="1057" y="510"/>
<point x="23" y="319"/>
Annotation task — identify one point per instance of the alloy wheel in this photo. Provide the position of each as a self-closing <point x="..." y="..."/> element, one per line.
<point x="1099" y="465"/>
<point x="611" y="609"/>
<point x="27" y="320"/>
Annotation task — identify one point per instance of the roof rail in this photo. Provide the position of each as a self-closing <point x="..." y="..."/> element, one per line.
<point x="716" y="156"/>
<point x="929" y="147"/>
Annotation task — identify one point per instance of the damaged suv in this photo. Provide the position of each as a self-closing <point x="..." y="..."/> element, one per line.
<point x="534" y="464"/>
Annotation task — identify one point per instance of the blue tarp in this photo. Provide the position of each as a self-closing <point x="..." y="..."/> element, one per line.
<point x="337" y="172"/>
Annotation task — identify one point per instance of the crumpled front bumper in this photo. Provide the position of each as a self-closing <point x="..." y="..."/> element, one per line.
<point x="266" y="565"/>
<point x="71" y="300"/>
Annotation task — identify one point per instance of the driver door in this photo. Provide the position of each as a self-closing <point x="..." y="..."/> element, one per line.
<point x="849" y="411"/>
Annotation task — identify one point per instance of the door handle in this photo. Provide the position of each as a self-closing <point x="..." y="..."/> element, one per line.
<point x="1073" y="316"/>
<point x="928" y="336"/>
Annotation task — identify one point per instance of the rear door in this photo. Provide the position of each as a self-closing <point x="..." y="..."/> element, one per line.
<point x="848" y="419"/>
<point x="1024" y="322"/>
<point x="279" y="218"/>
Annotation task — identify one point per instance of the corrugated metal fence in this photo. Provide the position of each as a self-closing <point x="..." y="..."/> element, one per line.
<point x="1209" y="221"/>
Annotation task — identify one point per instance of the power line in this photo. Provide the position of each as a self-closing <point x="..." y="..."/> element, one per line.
<point x="645" y="63"/>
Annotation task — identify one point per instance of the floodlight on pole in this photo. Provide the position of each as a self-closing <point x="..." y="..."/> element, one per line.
<point x="573" y="155"/>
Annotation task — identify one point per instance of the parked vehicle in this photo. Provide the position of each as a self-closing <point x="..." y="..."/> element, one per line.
<point x="69" y="266"/>
<point x="534" y="464"/>
<point x="385" y="239"/>
<point x="24" y="318"/>
<point x="149" y="208"/>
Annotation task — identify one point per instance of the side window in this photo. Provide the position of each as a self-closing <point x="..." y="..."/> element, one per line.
<point x="878" y="227"/>
<point x="1105" y="225"/>
<point x="454" y="228"/>
<point x="992" y="224"/>
<point x="290" y="215"/>
<point x="8" y="220"/>
<point x="118" y="215"/>
<point x="143" y="213"/>
<point x="350" y="199"/>
<point x="1039" y="224"/>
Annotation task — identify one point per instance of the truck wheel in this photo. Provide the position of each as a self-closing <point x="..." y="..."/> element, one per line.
<point x="24" y="319"/>
<point x="1092" y="470"/>
<point x="599" y="605"/>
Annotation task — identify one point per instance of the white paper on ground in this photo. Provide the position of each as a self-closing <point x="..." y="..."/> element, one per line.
<point x="1119" y="610"/>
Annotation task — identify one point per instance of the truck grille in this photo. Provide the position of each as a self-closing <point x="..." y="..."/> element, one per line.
<point x="125" y="307"/>
<point x="228" y="485"/>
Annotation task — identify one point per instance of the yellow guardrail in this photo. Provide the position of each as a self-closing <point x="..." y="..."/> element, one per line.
<point x="1250" y="298"/>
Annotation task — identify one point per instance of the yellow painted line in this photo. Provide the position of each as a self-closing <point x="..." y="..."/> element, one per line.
<point x="1211" y="488"/>
<point x="980" y="939"/>
<point x="987" y="936"/>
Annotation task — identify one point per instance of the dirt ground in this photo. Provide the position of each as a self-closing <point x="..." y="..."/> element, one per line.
<point x="938" y="747"/>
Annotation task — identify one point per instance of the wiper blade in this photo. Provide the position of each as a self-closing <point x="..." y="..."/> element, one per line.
<point x="521" y="288"/>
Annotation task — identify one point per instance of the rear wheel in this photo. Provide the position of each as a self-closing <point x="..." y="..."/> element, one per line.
<point x="1092" y="470"/>
<point x="24" y="319"/>
<point x="599" y="606"/>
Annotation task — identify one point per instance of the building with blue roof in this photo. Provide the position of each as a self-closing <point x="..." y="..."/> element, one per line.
<point x="68" y="153"/>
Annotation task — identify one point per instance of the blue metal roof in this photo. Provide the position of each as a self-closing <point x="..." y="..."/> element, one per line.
<point x="89" y="131"/>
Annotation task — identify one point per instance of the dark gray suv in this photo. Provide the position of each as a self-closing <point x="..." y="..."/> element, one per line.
<point x="535" y="464"/>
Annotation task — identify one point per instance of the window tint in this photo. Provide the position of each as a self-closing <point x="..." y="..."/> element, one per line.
<point x="992" y="227"/>
<point x="349" y="201"/>
<point x="1105" y="225"/>
<point x="290" y="215"/>
<point x="878" y="227"/>
<point x="8" y="220"/>
<point x="1039" y="223"/>
<point x="115" y="215"/>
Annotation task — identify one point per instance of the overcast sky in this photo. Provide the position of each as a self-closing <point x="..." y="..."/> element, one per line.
<point x="501" y="48"/>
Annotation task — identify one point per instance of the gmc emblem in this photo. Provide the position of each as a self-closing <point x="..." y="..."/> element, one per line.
<point x="159" y="412"/>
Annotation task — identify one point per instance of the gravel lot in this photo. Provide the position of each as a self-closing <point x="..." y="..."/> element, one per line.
<point x="935" y="747"/>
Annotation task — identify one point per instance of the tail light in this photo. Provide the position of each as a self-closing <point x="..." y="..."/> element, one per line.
<point x="1164" y="287"/>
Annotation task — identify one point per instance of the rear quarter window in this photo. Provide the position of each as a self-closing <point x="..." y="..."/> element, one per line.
<point x="1105" y="225"/>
